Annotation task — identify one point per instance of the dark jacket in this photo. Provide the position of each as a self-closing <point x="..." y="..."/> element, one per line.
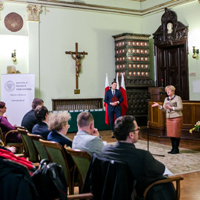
<point x="56" y="137"/>
<point x="41" y="128"/>
<point x="144" y="168"/>
<point x="15" y="182"/>
<point x="109" y="96"/>
<point x="108" y="179"/>
<point x="29" y="120"/>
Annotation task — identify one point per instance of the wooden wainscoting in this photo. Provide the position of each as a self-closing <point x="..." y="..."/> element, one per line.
<point x="77" y="104"/>
<point x="191" y="114"/>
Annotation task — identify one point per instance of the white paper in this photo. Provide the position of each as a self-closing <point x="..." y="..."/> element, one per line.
<point x="104" y="142"/>
<point x="167" y="172"/>
<point x="196" y="86"/>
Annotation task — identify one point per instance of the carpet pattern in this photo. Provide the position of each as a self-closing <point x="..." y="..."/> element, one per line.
<point x="185" y="162"/>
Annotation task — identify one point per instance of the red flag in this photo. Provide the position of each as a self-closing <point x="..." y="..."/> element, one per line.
<point x="107" y="121"/>
<point x="124" y="105"/>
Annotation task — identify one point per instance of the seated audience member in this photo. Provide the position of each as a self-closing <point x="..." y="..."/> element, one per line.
<point x="41" y="128"/>
<point x="144" y="168"/>
<point x="29" y="119"/>
<point x="58" y="126"/>
<point x="87" y="137"/>
<point x="12" y="149"/>
<point x="6" y="126"/>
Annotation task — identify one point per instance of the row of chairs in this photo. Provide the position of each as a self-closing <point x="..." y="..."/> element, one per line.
<point x="36" y="149"/>
<point x="3" y="138"/>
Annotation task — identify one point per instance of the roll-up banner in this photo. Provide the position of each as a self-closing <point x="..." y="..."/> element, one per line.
<point x="18" y="92"/>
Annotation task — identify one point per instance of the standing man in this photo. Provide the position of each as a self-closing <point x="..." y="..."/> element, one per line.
<point x="113" y="98"/>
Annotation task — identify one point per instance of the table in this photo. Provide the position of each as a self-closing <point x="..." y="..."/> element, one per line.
<point x="99" y="121"/>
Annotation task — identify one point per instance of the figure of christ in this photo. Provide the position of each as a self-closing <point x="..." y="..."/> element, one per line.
<point x="78" y="59"/>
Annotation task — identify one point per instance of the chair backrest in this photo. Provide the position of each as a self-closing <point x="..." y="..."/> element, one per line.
<point x="86" y="196"/>
<point x="108" y="179"/>
<point x="38" y="145"/>
<point x="56" y="154"/>
<point x="81" y="159"/>
<point x="1" y="135"/>
<point x="29" y="147"/>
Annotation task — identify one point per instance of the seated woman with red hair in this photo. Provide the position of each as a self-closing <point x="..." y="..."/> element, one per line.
<point x="6" y="126"/>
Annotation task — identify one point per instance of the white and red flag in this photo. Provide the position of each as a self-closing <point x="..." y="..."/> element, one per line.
<point x="124" y="105"/>
<point x="107" y="87"/>
<point x="117" y="82"/>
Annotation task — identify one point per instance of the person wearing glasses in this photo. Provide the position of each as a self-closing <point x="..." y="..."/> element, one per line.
<point x="5" y="126"/>
<point x="143" y="167"/>
<point x="174" y="117"/>
<point x="58" y="127"/>
<point x="87" y="137"/>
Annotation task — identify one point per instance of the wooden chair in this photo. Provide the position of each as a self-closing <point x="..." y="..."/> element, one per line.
<point x="3" y="138"/>
<point x="86" y="196"/>
<point x="57" y="155"/>
<point x="38" y="145"/>
<point x="177" y="179"/>
<point x="81" y="159"/>
<point x="29" y="147"/>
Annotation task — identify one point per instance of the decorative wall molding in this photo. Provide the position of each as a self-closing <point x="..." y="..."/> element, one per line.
<point x="33" y="12"/>
<point x="74" y="4"/>
<point x="1" y="8"/>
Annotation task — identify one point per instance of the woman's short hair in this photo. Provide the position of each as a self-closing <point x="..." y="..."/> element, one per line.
<point x="123" y="126"/>
<point x="171" y="87"/>
<point x="36" y="102"/>
<point x="40" y="113"/>
<point x="57" y="120"/>
<point x="2" y="104"/>
<point x="84" y="119"/>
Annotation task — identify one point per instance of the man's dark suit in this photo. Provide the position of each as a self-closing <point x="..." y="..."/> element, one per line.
<point x="113" y="109"/>
<point x="144" y="168"/>
<point x="41" y="128"/>
<point x="29" y="120"/>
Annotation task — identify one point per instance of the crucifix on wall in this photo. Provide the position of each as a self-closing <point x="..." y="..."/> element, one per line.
<point x="77" y="56"/>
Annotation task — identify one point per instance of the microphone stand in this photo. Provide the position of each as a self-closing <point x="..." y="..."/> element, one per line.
<point x="148" y="138"/>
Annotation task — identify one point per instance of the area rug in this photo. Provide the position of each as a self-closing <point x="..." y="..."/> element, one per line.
<point x="185" y="162"/>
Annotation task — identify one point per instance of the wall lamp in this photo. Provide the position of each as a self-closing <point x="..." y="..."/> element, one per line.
<point x="195" y="52"/>
<point x="13" y="55"/>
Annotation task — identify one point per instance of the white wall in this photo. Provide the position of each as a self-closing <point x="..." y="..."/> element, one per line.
<point x="60" y="29"/>
<point x="14" y="40"/>
<point x="57" y="32"/>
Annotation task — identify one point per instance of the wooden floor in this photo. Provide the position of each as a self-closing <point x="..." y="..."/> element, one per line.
<point x="190" y="186"/>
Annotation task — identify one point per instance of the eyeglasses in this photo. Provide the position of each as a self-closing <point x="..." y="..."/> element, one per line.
<point x="137" y="129"/>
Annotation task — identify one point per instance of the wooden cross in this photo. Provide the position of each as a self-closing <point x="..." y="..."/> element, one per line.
<point x="77" y="57"/>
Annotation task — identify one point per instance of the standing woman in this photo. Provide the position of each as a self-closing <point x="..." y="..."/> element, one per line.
<point x="174" y="117"/>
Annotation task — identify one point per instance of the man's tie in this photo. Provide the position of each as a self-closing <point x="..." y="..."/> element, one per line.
<point x="113" y="92"/>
